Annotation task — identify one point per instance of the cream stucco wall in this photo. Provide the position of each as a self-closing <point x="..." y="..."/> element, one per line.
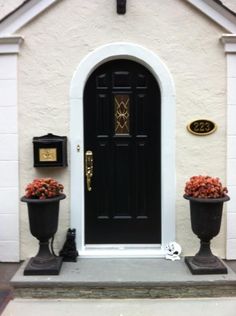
<point x="185" y="40"/>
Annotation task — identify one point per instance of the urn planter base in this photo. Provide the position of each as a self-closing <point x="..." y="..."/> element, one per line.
<point x="49" y="267"/>
<point x="213" y="268"/>
<point x="44" y="263"/>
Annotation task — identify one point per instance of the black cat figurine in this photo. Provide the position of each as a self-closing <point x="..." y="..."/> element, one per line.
<point x="69" y="252"/>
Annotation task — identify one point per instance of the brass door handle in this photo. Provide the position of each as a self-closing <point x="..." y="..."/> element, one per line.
<point x="89" y="168"/>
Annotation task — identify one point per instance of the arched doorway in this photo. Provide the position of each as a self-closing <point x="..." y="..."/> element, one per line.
<point x="151" y="62"/>
<point x="122" y="144"/>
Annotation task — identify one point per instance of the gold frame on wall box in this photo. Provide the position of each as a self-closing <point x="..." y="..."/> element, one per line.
<point x="47" y="154"/>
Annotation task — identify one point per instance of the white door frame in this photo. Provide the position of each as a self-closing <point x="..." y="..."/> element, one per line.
<point x="152" y="62"/>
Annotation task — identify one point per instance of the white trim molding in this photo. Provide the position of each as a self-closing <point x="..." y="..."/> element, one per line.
<point x="23" y="15"/>
<point x="151" y="61"/>
<point x="9" y="159"/>
<point x="217" y="13"/>
<point x="229" y="42"/>
<point x="10" y="44"/>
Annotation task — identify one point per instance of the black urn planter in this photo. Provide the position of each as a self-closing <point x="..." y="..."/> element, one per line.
<point x="43" y="222"/>
<point x="206" y="221"/>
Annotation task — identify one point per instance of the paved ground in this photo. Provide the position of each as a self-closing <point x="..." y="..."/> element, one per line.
<point x="7" y="270"/>
<point x="125" y="307"/>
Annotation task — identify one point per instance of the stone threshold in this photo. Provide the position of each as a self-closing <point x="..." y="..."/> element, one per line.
<point x="124" y="278"/>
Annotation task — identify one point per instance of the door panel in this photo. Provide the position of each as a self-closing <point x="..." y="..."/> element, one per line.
<point x="122" y="180"/>
<point x="141" y="179"/>
<point x="102" y="120"/>
<point x="122" y="124"/>
<point x="101" y="168"/>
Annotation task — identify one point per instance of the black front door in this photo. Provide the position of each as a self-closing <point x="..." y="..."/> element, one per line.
<point x="122" y="137"/>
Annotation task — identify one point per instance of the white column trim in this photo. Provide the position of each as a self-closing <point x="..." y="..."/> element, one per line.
<point x="10" y="44"/>
<point x="9" y="156"/>
<point x="229" y="42"/>
<point x="159" y="70"/>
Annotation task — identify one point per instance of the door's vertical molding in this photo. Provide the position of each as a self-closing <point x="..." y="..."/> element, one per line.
<point x="230" y="51"/>
<point x="9" y="158"/>
<point x="152" y="62"/>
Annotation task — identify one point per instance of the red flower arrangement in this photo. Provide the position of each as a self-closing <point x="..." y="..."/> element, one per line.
<point x="205" y="187"/>
<point x="43" y="188"/>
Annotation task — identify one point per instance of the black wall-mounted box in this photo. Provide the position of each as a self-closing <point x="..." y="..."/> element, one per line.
<point x="50" y="151"/>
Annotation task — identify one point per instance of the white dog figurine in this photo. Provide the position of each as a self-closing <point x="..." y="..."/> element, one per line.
<point x="173" y="251"/>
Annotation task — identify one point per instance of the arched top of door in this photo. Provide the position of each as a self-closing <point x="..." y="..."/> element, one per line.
<point x="121" y="50"/>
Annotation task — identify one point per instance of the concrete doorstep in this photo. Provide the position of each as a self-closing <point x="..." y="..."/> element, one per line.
<point x="123" y="287"/>
<point x="123" y="279"/>
<point x="125" y="307"/>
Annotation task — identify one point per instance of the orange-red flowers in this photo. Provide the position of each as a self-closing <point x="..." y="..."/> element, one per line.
<point x="43" y="188"/>
<point x="205" y="187"/>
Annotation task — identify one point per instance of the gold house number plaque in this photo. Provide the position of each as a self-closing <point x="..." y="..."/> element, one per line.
<point x="47" y="154"/>
<point x="201" y="127"/>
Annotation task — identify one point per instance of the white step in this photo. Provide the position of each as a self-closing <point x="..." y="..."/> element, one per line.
<point x="126" y="307"/>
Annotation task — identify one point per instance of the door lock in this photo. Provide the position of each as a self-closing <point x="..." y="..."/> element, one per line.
<point x="89" y="168"/>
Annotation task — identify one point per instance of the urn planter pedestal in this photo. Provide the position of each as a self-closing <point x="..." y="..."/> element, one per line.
<point x="206" y="217"/>
<point x="43" y="221"/>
